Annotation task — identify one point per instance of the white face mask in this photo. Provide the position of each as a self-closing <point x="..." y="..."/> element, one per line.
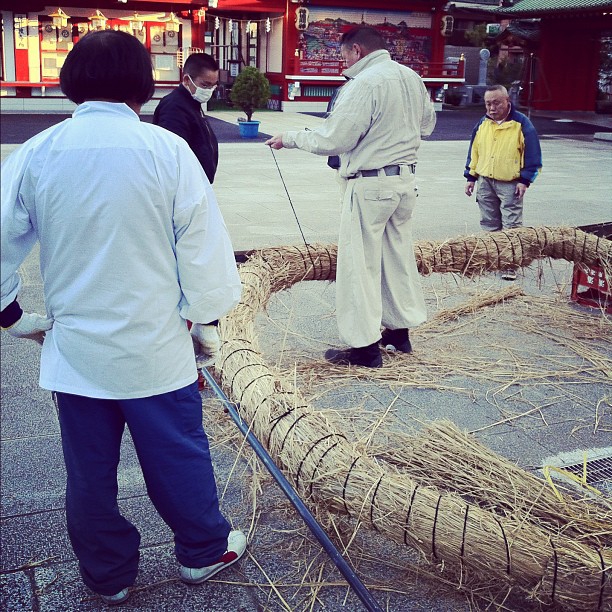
<point x="202" y="94"/>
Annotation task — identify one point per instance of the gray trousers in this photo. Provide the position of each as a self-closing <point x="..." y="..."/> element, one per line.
<point x="377" y="281"/>
<point x="500" y="207"/>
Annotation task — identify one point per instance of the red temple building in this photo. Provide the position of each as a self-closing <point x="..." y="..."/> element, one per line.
<point x="295" y="43"/>
<point x="565" y="73"/>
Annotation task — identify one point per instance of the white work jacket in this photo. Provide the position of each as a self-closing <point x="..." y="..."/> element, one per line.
<point x="377" y="120"/>
<point x="132" y="243"/>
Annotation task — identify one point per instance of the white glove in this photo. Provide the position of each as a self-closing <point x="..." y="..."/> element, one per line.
<point x="206" y="343"/>
<point x="32" y="326"/>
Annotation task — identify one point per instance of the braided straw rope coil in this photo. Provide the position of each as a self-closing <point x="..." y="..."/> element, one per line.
<point x="472" y="255"/>
<point x="331" y="472"/>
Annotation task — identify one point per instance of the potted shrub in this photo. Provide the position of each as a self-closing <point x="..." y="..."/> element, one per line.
<point x="251" y="90"/>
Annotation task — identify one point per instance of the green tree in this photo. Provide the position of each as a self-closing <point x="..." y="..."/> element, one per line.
<point x="477" y="35"/>
<point x="250" y="90"/>
<point x="505" y="73"/>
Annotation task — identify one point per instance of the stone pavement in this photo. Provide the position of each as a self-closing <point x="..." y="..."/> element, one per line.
<point x="573" y="188"/>
<point x="285" y="569"/>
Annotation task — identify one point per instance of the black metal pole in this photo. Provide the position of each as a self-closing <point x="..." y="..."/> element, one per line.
<point x="360" y="589"/>
<point x="531" y="82"/>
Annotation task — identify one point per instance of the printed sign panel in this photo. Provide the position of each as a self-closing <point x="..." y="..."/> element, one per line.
<point x="407" y="35"/>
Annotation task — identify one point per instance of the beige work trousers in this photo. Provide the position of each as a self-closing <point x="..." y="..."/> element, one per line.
<point x="377" y="281"/>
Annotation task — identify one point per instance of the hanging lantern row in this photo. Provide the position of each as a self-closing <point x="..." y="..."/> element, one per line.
<point x="173" y="24"/>
<point x="252" y="25"/>
<point x="136" y="23"/>
<point x="60" y="19"/>
<point x="98" y="21"/>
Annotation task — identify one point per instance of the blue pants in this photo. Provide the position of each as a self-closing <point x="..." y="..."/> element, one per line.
<point x="173" y="452"/>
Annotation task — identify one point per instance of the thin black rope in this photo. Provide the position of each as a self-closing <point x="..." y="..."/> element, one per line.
<point x="508" y="567"/>
<point x="433" y="530"/>
<point x="416" y="488"/>
<point x="316" y="469"/>
<point x="288" y="196"/>
<point x="603" y="581"/>
<point x="348" y="474"/>
<point x="372" y="503"/>
<point x="299" y="471"/>
<point x="465" y="520"/>
<point x="556" y="567"/>
<point x="293" y="208"/>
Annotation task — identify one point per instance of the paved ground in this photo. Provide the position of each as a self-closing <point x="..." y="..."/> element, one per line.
<point x="455" y="123"/>
<point x="15" y="129"/>
<point x="527" y="421"/>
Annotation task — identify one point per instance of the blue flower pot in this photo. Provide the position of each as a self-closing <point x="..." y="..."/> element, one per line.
<point x="249" y="129"/>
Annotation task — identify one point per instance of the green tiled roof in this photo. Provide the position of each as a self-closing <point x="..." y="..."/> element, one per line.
<point x="542" y="7"/>
<point x="528" y="31"/>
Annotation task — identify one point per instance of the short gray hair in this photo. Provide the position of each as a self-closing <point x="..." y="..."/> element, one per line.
<point x="500" y="88"/>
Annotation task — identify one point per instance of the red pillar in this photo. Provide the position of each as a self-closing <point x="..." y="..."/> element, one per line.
<point x="198" y="29"/>
<point x="22" y="69"/>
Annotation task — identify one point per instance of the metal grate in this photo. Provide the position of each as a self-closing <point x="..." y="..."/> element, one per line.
<point x="598" y="470"/>
<point x="598" y="473"/>
<point x="568" y="467"/>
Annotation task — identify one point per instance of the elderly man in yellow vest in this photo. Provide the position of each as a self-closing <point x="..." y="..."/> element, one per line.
<point x="504" y="157"/>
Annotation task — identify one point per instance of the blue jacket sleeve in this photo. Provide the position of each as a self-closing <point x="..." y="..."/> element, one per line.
<point x="466" y="173"/>
<point x="533" y="153"/>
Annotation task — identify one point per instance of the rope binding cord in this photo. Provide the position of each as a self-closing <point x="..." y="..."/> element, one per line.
<point x="293" y="208"/>
<point x="339" y="561"/>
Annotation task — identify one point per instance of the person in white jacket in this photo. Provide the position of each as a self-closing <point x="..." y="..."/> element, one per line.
<point x="375" y="126"/>
<point x="132" y="246"/>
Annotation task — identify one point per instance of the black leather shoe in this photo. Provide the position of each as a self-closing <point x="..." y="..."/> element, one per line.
<point x="396" y="340"/>
<point x="366" y="356"/>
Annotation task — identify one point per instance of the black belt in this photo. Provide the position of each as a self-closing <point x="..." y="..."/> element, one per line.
<point x="388" y="170"/>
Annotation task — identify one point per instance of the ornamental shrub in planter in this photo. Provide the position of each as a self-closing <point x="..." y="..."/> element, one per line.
<point x="251" y="90"/>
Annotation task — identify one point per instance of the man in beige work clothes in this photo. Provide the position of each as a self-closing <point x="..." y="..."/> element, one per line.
<point x="375" y="127"/>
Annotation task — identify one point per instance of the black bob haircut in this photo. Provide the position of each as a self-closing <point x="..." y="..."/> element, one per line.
<point x="108" y="65"/>
<point x="366" y="36"/>
<point x="197" y="62"/>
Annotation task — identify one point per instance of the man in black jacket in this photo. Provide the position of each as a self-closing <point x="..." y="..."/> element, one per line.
<point x="182" y="111"/>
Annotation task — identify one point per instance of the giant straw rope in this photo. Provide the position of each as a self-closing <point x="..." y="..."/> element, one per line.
<point x="550" y="564"/>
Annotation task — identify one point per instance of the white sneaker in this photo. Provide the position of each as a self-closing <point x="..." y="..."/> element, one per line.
<point x="236" y="545"/>
<point x="118" y="598"/>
